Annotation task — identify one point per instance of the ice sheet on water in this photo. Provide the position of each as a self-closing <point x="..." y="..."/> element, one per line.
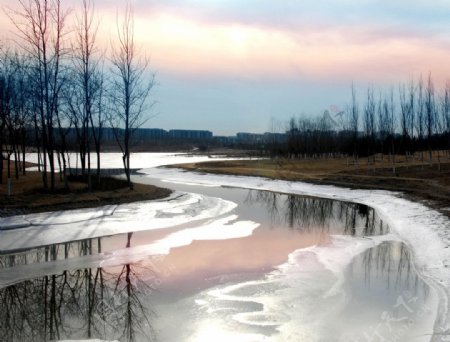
<point x="228" y="227"/>
<point x="56" y="218"/>
<point x="306" y="298"/>
<point x="63" y="226"/>
<point x="220" y="229"/>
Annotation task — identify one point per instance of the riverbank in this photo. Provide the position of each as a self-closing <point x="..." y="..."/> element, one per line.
<point x="419" y="182"/>
<point x="29" y="196"/>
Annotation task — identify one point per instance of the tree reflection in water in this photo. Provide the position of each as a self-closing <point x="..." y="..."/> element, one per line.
<point x="85" y="303"/>
<point x="99" y="303"/>
<point x="52" y="252"/>
<point x="392" y="262"/>
<point x="306" y="213"/>
<point x="389" y="261"/>
<point x="384" y="285"/>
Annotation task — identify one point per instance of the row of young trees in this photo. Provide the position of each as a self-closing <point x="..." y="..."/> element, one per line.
<point x="54" y="78"/>
<point x="416" y="118"/>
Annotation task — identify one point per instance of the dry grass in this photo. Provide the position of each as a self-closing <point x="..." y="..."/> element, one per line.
<point x="420" y="181"/>
<point x="28" y="194"/>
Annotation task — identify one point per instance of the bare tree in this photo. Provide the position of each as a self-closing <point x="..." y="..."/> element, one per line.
<point x="2" y="123"/>
<point x="22" y="105"/>
<point x="89" y="83"/>
<point x="41" y="25"/>
<point x="19" y="108"/>
<point x="14" y="113"/>
<point x="405" y="115"/>
<point x="445" y="112"/>
<point x="389" y="118"/>
<point x="430" y="115"/>
<point x="354" y="123"/>
<point x="420" y="115"/>
<point x="97" y="116"/>
<point x="293" y="138"/>
<point x="369" y="123"/>
<point x="6" y="94"/>
<point x="382" y="123"/>
<point x="411" y="116"/>
<point x="274" y="138"/>
<point x="131" y="86"/>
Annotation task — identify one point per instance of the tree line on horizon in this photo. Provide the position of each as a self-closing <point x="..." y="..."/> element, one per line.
<point x="55" y="78"/>
<point x="413" y="121"/>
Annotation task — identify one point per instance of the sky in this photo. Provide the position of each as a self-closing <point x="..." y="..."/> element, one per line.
<point x="237" y="66"/>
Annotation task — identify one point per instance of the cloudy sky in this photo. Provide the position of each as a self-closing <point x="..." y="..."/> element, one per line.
<point x="233" y="65"/>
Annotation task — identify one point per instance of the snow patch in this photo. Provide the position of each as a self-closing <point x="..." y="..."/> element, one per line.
<point x="62" y="226"/>
<point x="142" y="160"/>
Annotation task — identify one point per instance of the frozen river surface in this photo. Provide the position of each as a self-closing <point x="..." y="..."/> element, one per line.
<point x="226" y="264"/>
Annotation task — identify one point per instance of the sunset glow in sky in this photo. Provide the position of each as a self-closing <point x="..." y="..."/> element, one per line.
<point x="231" y="66"/>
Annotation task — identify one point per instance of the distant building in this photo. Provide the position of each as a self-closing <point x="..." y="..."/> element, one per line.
<point x="150" y="133"/>
<point x="190" y="134"/>
<point x="249" y="138"/>
<point x="224" y="140"/>
<point x="253" y="138"/>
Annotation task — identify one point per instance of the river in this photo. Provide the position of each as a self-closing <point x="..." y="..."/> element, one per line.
<point x="271" y="267"/>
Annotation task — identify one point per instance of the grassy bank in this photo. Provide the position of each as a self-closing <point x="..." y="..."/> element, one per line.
<point x="28" y="196"/>
<point x="419" y="181"/>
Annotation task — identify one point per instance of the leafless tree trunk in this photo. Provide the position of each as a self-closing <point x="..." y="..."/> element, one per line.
<point x="390" y="125"/>
<point x="354" y="123"/>
<point x="420" y="116"/>
<point x="446" y="116"/>
<point x="411" y="115"/>
<point x="381" y="124"/>
<point x="430" y="115"/>
<point x="3" y="116"/>
<point x="88" y="80"/>
<point x="369" y="124"/>
<point x="41" y="26"/>
<point x="131" y="87"/>
<point x="98" y="120"/>
<point x="406" y="108"/>
<point x="5" y="107"/>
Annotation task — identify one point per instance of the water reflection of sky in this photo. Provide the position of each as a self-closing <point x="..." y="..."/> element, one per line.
<point x="183" y="295"/>
<point x="381" y="295"/>
<point x="401" y="303"/>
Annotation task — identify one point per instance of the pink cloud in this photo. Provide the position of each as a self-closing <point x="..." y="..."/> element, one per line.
<point x="179" y="43"/>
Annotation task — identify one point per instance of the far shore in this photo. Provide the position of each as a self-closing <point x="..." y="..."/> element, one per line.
<point x="419" y="182"/>
<point x="422" y="182"/>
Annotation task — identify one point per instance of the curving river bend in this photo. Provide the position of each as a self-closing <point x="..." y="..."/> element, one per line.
<point x="264" y="267"/>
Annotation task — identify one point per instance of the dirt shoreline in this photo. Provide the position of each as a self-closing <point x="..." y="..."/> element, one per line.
<point x="28" y="195"/>
<point x="419" y="182"/>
